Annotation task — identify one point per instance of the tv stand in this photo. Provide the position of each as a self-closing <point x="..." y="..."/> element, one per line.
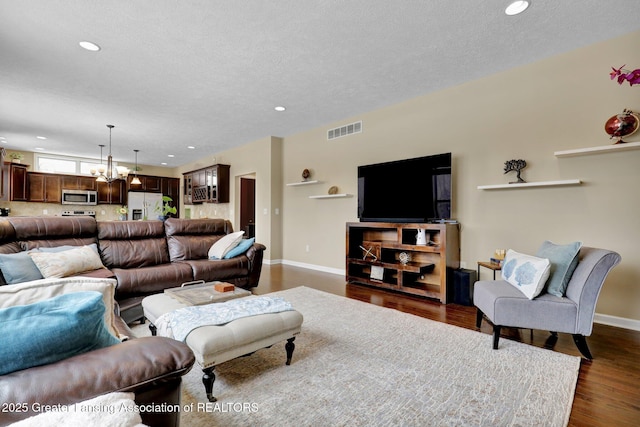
<point x="376" y="251"/>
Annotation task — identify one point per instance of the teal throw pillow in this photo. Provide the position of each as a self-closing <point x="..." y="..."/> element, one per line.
<point x="52" y="330"/>
<point x="242" y="247"/>
<point x="18" y="268"/>
<point x="564" y="260"/>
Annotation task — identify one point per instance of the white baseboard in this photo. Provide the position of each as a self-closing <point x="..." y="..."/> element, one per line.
<point x="604" y="319"/>
<point x="322" y="268"/>
<point x="619" y="322"/>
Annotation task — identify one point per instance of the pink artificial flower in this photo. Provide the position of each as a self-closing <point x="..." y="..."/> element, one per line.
<point x="633" y="77"/>
<point x="615" y="73"/>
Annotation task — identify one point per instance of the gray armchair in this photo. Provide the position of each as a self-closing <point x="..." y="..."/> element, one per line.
<point x="504" y="305"/>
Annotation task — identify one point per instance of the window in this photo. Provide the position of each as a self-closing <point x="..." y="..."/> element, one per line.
<point x="65" y="164"/>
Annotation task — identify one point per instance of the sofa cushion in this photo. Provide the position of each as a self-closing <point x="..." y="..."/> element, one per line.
<point x="18" y="268"/>
<point x="65" y="263"/>
<point x="527" y="273"/>
<point x="51" y="330"/>
<point x="40" y="290"/>
<point x="192" y="238"/>
<point x="132" y="244"/>
<point x="38" y="232"/>
<point x="220" y="248"/>
<point x="564" y="260"/>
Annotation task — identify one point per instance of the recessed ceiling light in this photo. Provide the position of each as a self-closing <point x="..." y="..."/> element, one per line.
<point x="89" y="46"/>
<point x="39" y="148"/>
<point x="164" y="163"/>
<point x="516" y="7"/>
<point x="170" y="155"/>
<point x="191" y="147"/>
<point x="41" y="137"/>
<point x="279" y="108"/>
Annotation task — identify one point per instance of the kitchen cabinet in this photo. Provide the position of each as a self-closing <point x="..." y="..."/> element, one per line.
<point x="14" y="182"/>
<point x="44" y="187"/>
<point x="207" y="185"/>
<point x="112" y="193"/>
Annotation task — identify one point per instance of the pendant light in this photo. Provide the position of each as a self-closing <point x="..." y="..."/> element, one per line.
<point x="108" y="174"/>
<point x="136" y="180"/>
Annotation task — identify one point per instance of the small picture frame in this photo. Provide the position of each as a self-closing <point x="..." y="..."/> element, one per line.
<point x="377" y="273"/>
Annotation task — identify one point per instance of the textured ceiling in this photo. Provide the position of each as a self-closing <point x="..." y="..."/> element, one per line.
<point x="209" y="73"/>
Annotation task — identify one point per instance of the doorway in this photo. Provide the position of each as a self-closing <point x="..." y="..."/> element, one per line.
<point x="248" y="206"/>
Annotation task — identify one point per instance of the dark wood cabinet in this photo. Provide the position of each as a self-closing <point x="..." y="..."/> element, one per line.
<point x="14" y="182"/>
<point x="75" y="182"/>
<point x="44" y="187"/>
<point x="148" y="184"/>
<point x="171" y="188"/>
<point x="207" y="185"/>
<point x="112" y="193"/>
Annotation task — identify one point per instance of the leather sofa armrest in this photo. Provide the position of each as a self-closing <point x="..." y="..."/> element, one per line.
<point x="255" y="255"/>
<point x="135" y="366"/>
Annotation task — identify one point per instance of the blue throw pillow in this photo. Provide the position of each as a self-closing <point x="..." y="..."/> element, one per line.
<point x="242" y="247"/>
<point x="18" y="268"/>
<point x="564" y="260"/>
<point x="52" y="330"/>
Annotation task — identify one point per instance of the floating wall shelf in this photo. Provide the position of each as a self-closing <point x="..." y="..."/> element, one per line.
<point x="331" y="196"/>
<point x="295" y="184"/>
<point x="530" y="184"/>
<point x="626" y="146"/>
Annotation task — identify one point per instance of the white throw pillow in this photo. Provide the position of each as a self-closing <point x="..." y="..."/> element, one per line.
<point x="39" y="290"/>
<point x="527" y="273"/>
<point x="66" y="263"/>
<point x="220" y="248"/>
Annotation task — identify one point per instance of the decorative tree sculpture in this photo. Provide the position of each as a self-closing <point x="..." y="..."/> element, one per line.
<point x="515" y="165"/>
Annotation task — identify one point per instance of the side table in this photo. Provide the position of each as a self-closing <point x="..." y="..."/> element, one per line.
<point x="491" y="266"/>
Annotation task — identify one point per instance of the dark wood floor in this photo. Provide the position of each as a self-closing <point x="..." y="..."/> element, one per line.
<point x="608" y="390"/>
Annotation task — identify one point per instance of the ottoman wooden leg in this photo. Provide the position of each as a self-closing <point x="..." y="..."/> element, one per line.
<point x="290" y="346"/>
<point x="208" y="378"/>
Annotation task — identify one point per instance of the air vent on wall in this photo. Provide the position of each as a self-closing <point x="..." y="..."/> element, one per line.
<point x="344" y="130"/>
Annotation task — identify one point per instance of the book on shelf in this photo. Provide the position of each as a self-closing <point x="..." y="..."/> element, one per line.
<point x="496" y="261"/>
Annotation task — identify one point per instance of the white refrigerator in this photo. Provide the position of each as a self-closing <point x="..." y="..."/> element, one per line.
<point x="143" y="205"/>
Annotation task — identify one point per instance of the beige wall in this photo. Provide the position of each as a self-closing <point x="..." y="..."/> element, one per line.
<point x="261" y="160"/>
<point x="530" y="112"/>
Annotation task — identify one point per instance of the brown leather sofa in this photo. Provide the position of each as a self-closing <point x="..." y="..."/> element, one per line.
<point x="150" y="367"/>
<point x="145" y="257"/>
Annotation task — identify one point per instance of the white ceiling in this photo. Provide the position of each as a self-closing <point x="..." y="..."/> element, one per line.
<point x="209" y="73"/>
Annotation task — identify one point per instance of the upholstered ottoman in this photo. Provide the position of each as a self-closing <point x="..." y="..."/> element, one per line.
<point x="213" y="345"/>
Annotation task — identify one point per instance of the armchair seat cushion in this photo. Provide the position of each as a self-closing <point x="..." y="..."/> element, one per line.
<point x="505" y="305"/>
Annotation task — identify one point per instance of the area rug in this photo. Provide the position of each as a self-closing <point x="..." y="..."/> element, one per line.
<point x="357" y="364"/>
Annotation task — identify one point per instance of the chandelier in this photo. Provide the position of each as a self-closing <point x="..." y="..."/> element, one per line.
<point x="108" y="174"/>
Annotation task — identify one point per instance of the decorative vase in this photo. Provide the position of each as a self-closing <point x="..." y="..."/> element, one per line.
<point x="622" y="125"/>
<point x="123" y="217"/>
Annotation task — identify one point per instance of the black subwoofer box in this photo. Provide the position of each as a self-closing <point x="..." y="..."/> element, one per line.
<point x="463" y="281"/>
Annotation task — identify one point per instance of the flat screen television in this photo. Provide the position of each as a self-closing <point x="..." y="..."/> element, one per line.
<point x="411" y="190"/>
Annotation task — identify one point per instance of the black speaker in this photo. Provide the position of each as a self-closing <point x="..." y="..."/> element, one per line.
<point x="463" y="281"/>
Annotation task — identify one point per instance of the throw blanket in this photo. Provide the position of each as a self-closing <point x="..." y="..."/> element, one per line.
<point x="179" y="323"/>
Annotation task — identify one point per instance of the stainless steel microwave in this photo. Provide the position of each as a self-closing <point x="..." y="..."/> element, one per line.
<point x="79" y="197"/>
